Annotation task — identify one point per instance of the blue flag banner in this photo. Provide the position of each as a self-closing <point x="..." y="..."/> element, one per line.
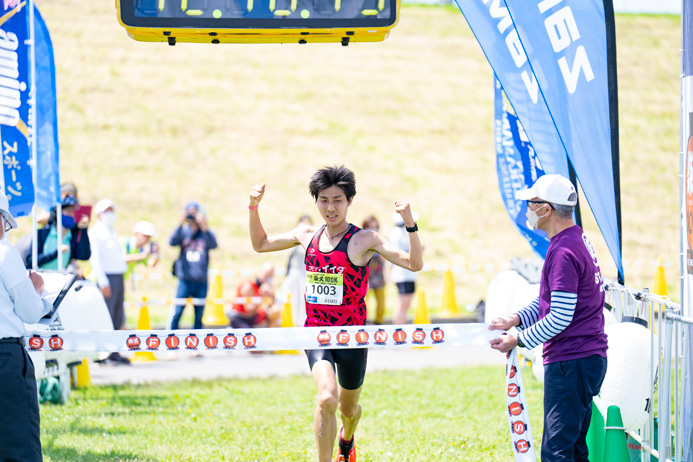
<point x="517" y="166"/>
<point x="48" y="187"/>
<point x="14" y="107"/>
<point x="493" y="27"/>
<point x="565" y="42"/>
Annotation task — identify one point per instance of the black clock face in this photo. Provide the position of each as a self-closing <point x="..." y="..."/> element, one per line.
<point x="258" y="14"/>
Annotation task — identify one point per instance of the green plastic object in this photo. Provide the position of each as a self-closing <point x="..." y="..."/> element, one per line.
<point x="615" y="443"/>
<point x="49" y="390"/>
<point x="596" y="436"/>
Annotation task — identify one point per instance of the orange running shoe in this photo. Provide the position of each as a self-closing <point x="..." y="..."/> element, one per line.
<point x="346" y="452"/>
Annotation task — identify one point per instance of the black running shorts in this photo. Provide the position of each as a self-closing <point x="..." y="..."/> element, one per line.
<point x="350" y="364"/>
<point x="405" y="288"/>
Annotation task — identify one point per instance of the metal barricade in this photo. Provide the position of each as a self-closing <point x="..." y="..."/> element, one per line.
<point x="669" y="355"/>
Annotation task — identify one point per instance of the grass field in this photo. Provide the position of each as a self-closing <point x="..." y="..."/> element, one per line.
<point x="153" y="126"/>
<point x="409" y="416"/>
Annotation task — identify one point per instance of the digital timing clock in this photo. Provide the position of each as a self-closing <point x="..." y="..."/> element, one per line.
<point x="258" y="21"/>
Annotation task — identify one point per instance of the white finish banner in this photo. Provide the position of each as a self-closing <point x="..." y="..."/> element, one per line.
<point x="518" y="415"/>
<point x="264" y="339"/>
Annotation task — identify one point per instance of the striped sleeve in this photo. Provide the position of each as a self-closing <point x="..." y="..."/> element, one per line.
<point x="559" y="317"/>
<point x="529" y="314"/>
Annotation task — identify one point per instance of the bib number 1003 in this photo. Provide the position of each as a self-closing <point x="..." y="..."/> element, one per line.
<point x="320" y="289"/>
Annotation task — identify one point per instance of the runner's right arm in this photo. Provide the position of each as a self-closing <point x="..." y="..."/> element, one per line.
<point x="259" y="238"/>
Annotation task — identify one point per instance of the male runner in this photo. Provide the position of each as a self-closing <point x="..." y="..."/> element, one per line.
<point x="337" y="247"/>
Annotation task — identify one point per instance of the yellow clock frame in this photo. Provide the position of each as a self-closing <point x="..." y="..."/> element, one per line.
<point x="155" y="29"/>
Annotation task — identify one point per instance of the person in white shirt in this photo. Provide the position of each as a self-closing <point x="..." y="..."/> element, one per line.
<point x="108" y="265"/>
<point x="404" y="279"/>
<point x="19" y="304"/>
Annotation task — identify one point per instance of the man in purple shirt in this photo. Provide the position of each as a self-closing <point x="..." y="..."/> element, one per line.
<point x="567" y="318"/>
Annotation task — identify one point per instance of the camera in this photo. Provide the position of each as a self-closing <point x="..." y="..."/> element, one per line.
<point x="190" y="217"/>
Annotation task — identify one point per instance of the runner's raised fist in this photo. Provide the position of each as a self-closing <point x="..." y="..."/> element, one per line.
<point x="402" y="207"/>
<point x="256" y="193"/>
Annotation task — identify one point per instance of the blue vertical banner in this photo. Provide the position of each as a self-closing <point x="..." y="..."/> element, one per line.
<point x="495" y="31"/>
<point x="517" y="165"/>
<point x="567" y="46"/>
<point x="48" y="187"/>
<point x="15" y="107"/>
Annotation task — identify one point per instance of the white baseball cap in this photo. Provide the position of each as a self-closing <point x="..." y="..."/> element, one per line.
<point x="144" y="227"/>
<point x="552" y="188"/>
<point x="5" y="211"/>
<point x="103" y="205"/>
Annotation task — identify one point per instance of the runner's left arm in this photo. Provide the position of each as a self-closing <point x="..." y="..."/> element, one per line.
<point x="412" y="260"/>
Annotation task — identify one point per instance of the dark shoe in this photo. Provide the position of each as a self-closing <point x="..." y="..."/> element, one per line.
<point x="116" y="358"/>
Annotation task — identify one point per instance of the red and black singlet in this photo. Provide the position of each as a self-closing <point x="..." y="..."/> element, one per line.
<point x="335" y="287"/>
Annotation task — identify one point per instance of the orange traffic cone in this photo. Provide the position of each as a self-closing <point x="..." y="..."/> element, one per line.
<point x="660" y="283"/>
<point x="143" y="324"/>
<point x="82" y="377"/>
<point x="215" y="315"/>
<point x="287" y="321"/>
<point x="448" y="308"/>
<point x="421" y="313"/>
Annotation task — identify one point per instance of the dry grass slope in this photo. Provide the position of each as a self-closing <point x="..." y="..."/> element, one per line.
<point x="153" y="126"/>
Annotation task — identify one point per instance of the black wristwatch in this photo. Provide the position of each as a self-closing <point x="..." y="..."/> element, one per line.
<point x="519" y="343"/>
<point x="413" y="229"/>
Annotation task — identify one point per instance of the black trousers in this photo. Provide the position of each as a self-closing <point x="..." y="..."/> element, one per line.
<point x="20" y="438"/>
<point x="569" y="387"/>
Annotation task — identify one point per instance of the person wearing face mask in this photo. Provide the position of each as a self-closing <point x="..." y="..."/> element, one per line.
<point x="567" y="318"/>
<point x="72" y="239"/>
<point x="108" y="265"/>
<point x="19" y="303"/>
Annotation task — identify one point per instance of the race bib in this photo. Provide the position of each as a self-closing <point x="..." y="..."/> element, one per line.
<point x="192" y="256"/>
<point x="324" y="289"/>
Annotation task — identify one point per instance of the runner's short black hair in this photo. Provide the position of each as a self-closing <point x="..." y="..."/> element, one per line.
<point x="333" y="176"/>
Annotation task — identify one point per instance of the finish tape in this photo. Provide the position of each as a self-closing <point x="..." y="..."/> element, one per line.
<point x="263" y="339"/>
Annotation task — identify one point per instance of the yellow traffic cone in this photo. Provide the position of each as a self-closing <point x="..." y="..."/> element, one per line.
<point x="83" y="377"/>
<point x="660" y="283"/>
<point x="143" y="324"/>
<point x="287" y="321"/>
<point x="215" y="315"/>
<point x="421" y="313"/>
<point x="449" y="306"/>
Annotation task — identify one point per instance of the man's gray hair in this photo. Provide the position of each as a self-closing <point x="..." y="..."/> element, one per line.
<point x="566" y="211"/>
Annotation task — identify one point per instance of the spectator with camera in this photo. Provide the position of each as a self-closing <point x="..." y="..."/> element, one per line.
<point x="195" y="240"/>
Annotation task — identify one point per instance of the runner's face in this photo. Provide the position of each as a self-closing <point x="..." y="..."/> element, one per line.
<point x="332" y="204"/>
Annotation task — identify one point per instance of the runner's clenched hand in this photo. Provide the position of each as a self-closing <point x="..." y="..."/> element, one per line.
<point x="256" y="194"/>
<point x="403" y="208"/>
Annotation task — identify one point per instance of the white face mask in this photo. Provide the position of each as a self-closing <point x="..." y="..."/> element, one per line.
<point x="108" y="218"/>
<point x="533" y="218"/>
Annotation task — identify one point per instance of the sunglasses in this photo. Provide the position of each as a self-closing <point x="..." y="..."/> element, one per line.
<point x="541" y="202"/>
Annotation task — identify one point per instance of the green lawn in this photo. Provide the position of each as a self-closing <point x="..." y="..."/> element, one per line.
<point x="423" y="416"/>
